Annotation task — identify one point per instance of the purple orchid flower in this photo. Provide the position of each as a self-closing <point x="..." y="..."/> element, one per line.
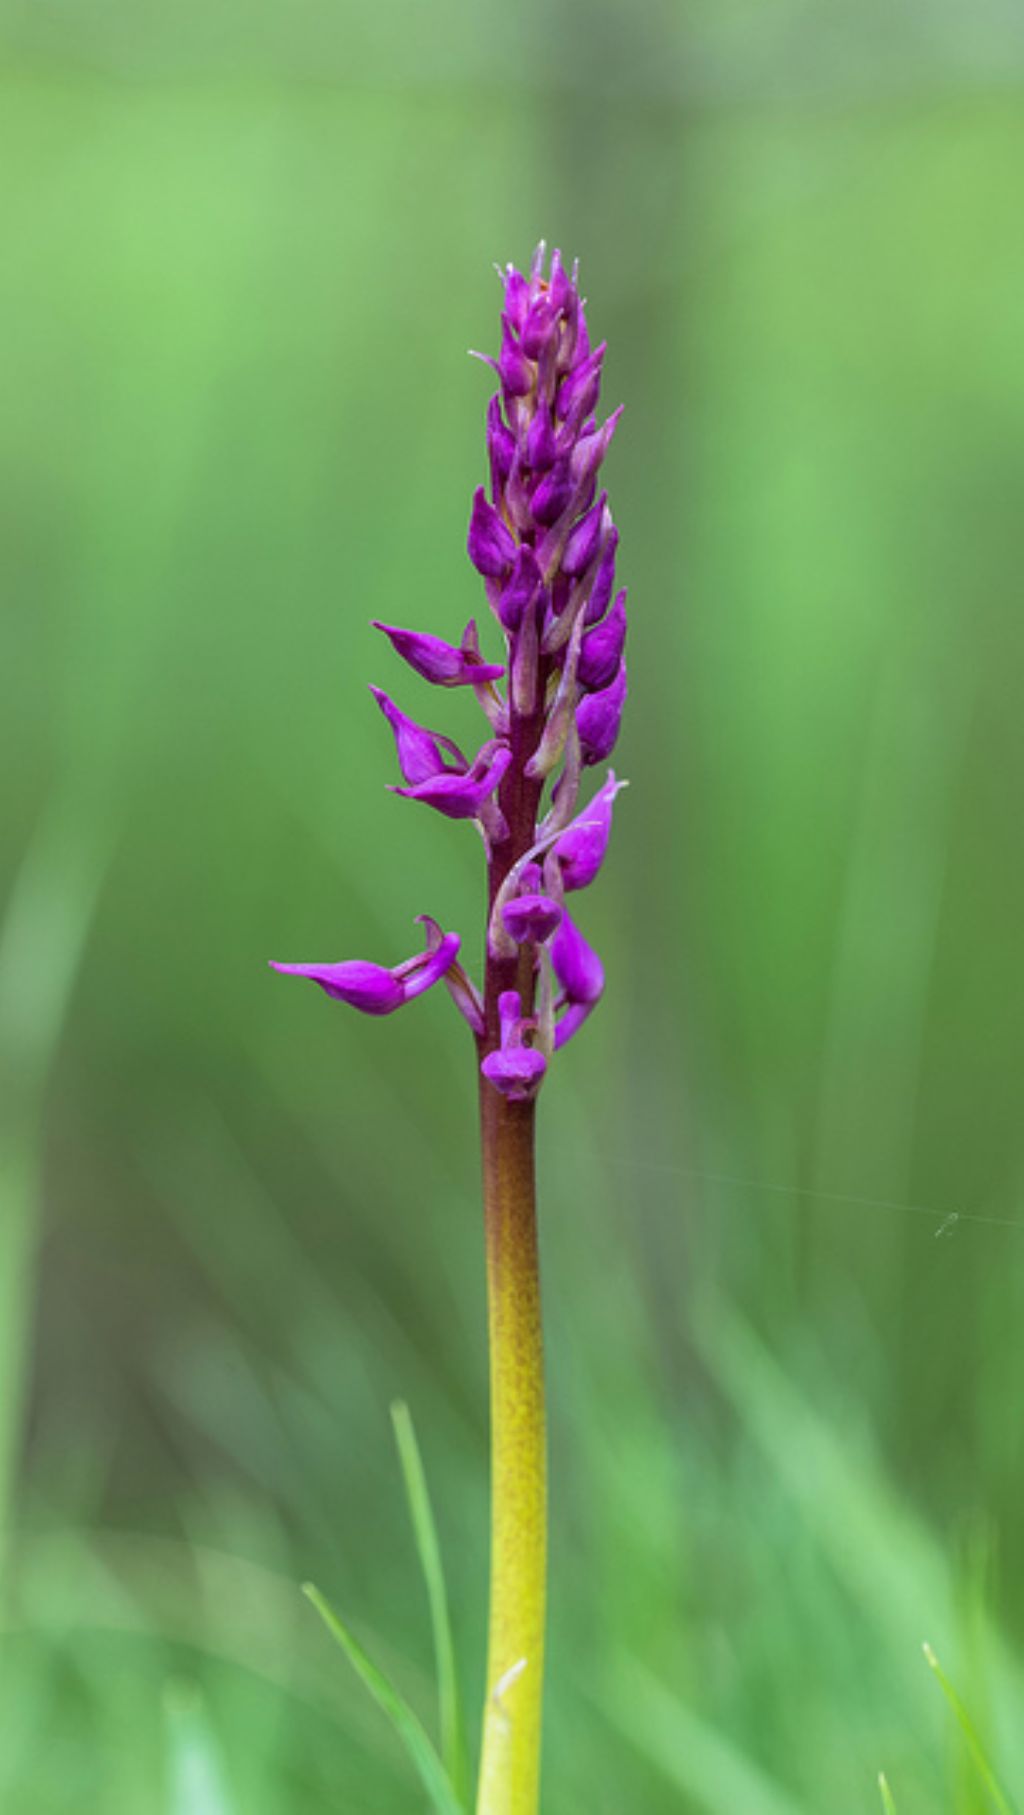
<point x="441" y="662"/>
<point x="373" y="989"/>
<point x="461" y="794"/>
<point x="580" y="851"/>
<point x="515" y="1069"/>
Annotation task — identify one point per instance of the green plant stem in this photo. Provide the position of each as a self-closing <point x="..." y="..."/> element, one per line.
<point x="510" y="1763"/>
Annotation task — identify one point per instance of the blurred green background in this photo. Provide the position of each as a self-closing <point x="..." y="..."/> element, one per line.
<point x="246" y="249"/>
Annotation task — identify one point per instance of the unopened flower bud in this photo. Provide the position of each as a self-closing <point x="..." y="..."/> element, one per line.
<point x="541" y="443"/>
<point x="585" y="538"/>
<point x="601" y="649"/>
<point x="491" y="547"/>
<point x="521" y="590"/>
<point x="581" y="849"/>
<point x="552" y="494"/>
<point x="579" y="391"/>
<point x="501" y="447"/>
<point x="604" y="580"/>
<point x="599" y="717"/>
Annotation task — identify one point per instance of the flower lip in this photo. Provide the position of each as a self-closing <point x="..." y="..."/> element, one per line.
<point x="461" y="796"/>
<point x="515" y="1072"/>
<point x="531" y="918"/>
<point x="515" y="1069"/>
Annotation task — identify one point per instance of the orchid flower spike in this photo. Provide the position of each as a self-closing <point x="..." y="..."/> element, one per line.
<point x="543" y="541"/>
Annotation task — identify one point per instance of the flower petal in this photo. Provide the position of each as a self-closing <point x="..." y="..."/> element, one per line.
<point x="368" y="987"/>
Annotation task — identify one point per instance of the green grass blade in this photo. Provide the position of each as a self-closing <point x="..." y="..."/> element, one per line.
<point x="407" y="1726"/>
<point x="970" y="1733"/>
<point x="453" y="1731"/>
<point x="886" y="1794"/>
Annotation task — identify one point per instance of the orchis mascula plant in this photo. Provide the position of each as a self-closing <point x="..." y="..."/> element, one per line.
<point x="544" y="543"/>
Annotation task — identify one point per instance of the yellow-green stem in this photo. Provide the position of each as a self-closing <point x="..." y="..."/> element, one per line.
<point x="510" y="1764"/>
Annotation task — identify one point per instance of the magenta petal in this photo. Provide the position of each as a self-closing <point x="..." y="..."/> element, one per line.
<point x="516" y="1071"/>
<point x="362" y="985"/>
<point x="501" y="446"/>
<point x="430" y="968"/>
<point x="552" y="494"/>
<point x="540" y="329"/>
<point x="523" y="587"/>
<point x="601" y="648"/>
<point x="531" y="918"/>
<point x="541" y="446"/>
<point x="517" y="296"/>
<point x="604" y="580"/>
<point x="576" y="964"/>
<point x="513" y="367"/>
<point x="463" y="796"/>
<point x="421" y="753"/>
<point x="585" y="538"/>
<point x="599" y="717"/>
<point x="578" y="392"/>
<point x="438" y="661"/>
<point x="491" y="547"/>
<point x="581" y="849"/>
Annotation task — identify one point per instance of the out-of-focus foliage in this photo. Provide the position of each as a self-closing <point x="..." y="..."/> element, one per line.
<point x="245" y="249"/>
